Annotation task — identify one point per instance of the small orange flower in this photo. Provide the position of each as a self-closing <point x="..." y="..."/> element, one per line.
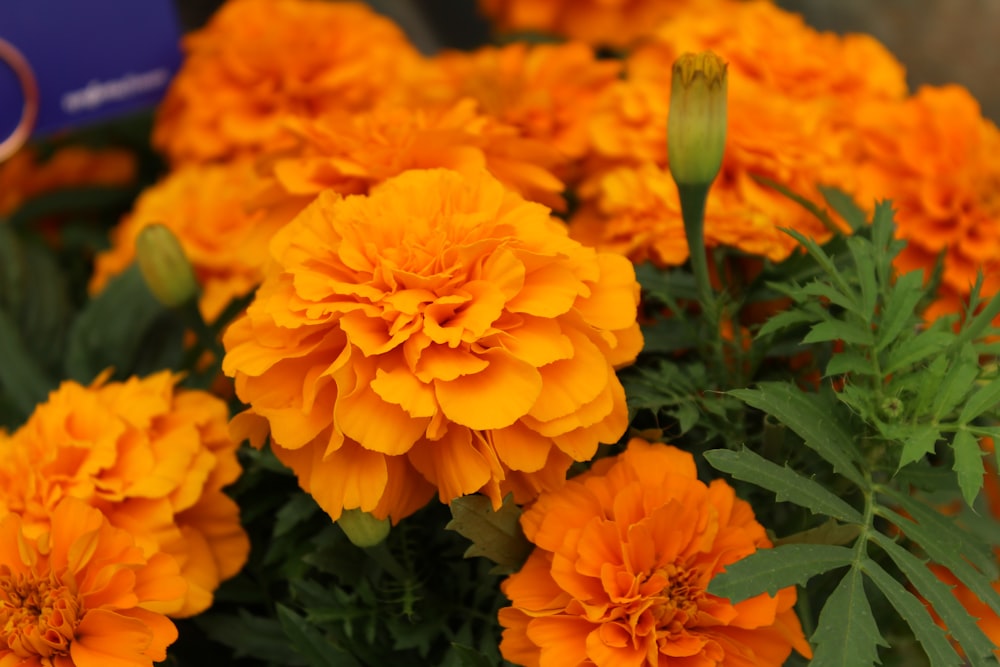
<point x="608" y="22"/>
<point x="82" y="594"/>
<point x="260" y="61"/>
<point x="152" y="458"/>
<point x="938" y="160"/>
<point x="24" y="175"/>
<point x="350" y="154"/>
<point x="441" y="333"/>
<point x="207" y="209"/>
<point x="624" y="556"/>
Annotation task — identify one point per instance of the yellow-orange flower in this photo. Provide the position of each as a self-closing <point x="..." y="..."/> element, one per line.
<point x="938" y="160"/>
<point x="624" y="556"/>
<point x="440" y="334"/>
<point x="260" y="61"/>
<point x="82" y="594"/>
<point x="609" y="22"/>
<point x="154" y="459"/>
<point x="25" y="175"/>
<point x="208" y="209"/>
<point x="352" y="153"/>
<point x="545" y="90"/>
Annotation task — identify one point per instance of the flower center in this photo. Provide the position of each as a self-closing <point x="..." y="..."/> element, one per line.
<point x="677" y="602"/>
<point x="37" y="617"/>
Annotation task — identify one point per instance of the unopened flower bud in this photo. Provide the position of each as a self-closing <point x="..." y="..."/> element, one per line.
<point x="165" y="266"/>
<point x="696" y="126"/>
<point x="363" y="529"/>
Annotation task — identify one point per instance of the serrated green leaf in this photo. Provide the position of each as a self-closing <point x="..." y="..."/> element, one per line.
<point x="978" y="648"/>
<point x="968" y="464"/>
<point x="837" y="330"/>
<point x="830" y="532"/>
<point x="309" y="643"/>
<point x="929" y="634"/>
<point x="250" y="636"/>
<point x="784" y="320"/>
<point x="958" y="382"/>
<point x="813" y="417"/>
<point x="952" y="537"/>
<point x="786" y="484"/>
<point x="984" y="399"/>
<point x="863" y="255"/>
<point x="924" y="345"/>
<point x="921" y="443"/>
<point x="845" y="207"/>
<point x="943" y="551"/>
<point x="899" y="308"/>
<point x="494" y="535"/>
<point x="835" y="296"/>
<point x="976" y="326"/>
<point x="770" y="570"/>
<point x="846" y="633"/>
<point x="849" y="361"/>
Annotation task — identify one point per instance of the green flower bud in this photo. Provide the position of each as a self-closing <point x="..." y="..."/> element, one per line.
<point x="363" y="529"/>
<point x="164" y="266"/>
<point x="696" y="126"/>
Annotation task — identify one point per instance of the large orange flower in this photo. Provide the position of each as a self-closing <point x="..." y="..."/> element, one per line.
<point x="619" y="576"/>
<point x="260" y="61"/>
<point x="609" y="22"/>
<point x="82" y="594"/>
<point x="207" y="207"/>
<point x="25" y="175"/>
<point x="154" y="459"/>
<point x="441" y="333"/>
<point x="938" y="160"/>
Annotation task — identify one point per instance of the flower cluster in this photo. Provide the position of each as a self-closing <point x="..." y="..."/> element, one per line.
<point x="623" y="557"/>
<point x="439" y="334"/>
<point x="152" y="458"/>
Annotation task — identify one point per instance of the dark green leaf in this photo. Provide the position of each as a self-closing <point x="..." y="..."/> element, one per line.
<point x="21" y="378"/>
<point x="849" y="361"/>
<point x="835" y="296"/>
<point x="864" y="263"/>
<point x="924" y="345"/>
<point x="813" y="417"/>
<point x="309" y="643"/>
<point x="301" y="507"/>
<point x="251" y="636"/>
<point x="957" y="382"/>
<point x="784" y="320"/>
<point x="918" y="445"/>
<point x="960" y="624"/>
<point x="844" y="205"/>
<point x="494" y="535"/>
<point x="770" y="570"/>
<point x="829" y="532"/>
<point x="847" y="635"/>
<point x="980" y="324"/>
<point x="899" y="309"/>
<point x="836" y="330"/>
<point x="470" y="657"/>
<point x="983" y="400"/>
<point x="968" y="464"/>
<point x="784" y="482"/>
<point x="931" y="637"/>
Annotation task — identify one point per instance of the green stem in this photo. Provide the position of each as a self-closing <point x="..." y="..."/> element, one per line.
<point x="693" y="212"/>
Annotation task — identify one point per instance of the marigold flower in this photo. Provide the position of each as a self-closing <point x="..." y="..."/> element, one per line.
<point x="441" y="333"/>
<point x="24" y="175"/>
<point x="696" y="125"/>
<point x="260" y="61"/>
<point x="623" y="560"/>
<point x="207" y="208"/>
<point x="938" y="160"/>
<point x="352" y="154"/>
<point x="82" y="594"/>
<point x="154" y="459"/>
<point x="608" y="22"/>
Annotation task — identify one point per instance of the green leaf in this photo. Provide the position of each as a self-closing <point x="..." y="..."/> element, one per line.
<point x="826" y="291"/>
<point x="845" y="206"/>
<point x="944" y="551"/>
<point x="928" y="633"/>
<point x="787" y="484"/>
<point x="849" y="361"/>
<point x="952" y="537"/>
<point x="813" y="417"/>
<point x="960" y="624"/>
<point x="957" y="382"/>
<point x="71" y="201"/>
<point x="983" y="400"/>
<point x="899" y="308"/>
<point x="494" y="535"/>
<point x="829" y="532"/>
<point x="770" y="570"/>
<point x="22" y="380"/>
<point x="846" y="634"/>
<point x="250" y="636"/>
<point x="968" y="464"/>
<point x="300" y="507"/>
<point x="309" y="643"/>
<point x="921" y="443"/>
<point x="784" y="320"/>
<point x="924" y="345"/>
<point x="864" y="262"/>
<point x="470" y="657"/>
<point x="836" y="330"/>
<point x="982" y="322"/>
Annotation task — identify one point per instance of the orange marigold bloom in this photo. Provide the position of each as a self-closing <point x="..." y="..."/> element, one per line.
<point x="82" y="594"/>
<point x="352" y="153"/>
<point x="206" y="207"/>
<point x="545" y="90"/>
<point x="260" y="61"/>
<point x="623" y="560"/>
<point x="25" y="175"/>
<point x="609" y="22"/>
<point x="938" y="160"/>
<point x="154" y="459"/>
<point x="441" y="333"/>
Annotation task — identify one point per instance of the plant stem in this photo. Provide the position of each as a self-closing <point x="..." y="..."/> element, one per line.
<point x="693" y="212"/>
